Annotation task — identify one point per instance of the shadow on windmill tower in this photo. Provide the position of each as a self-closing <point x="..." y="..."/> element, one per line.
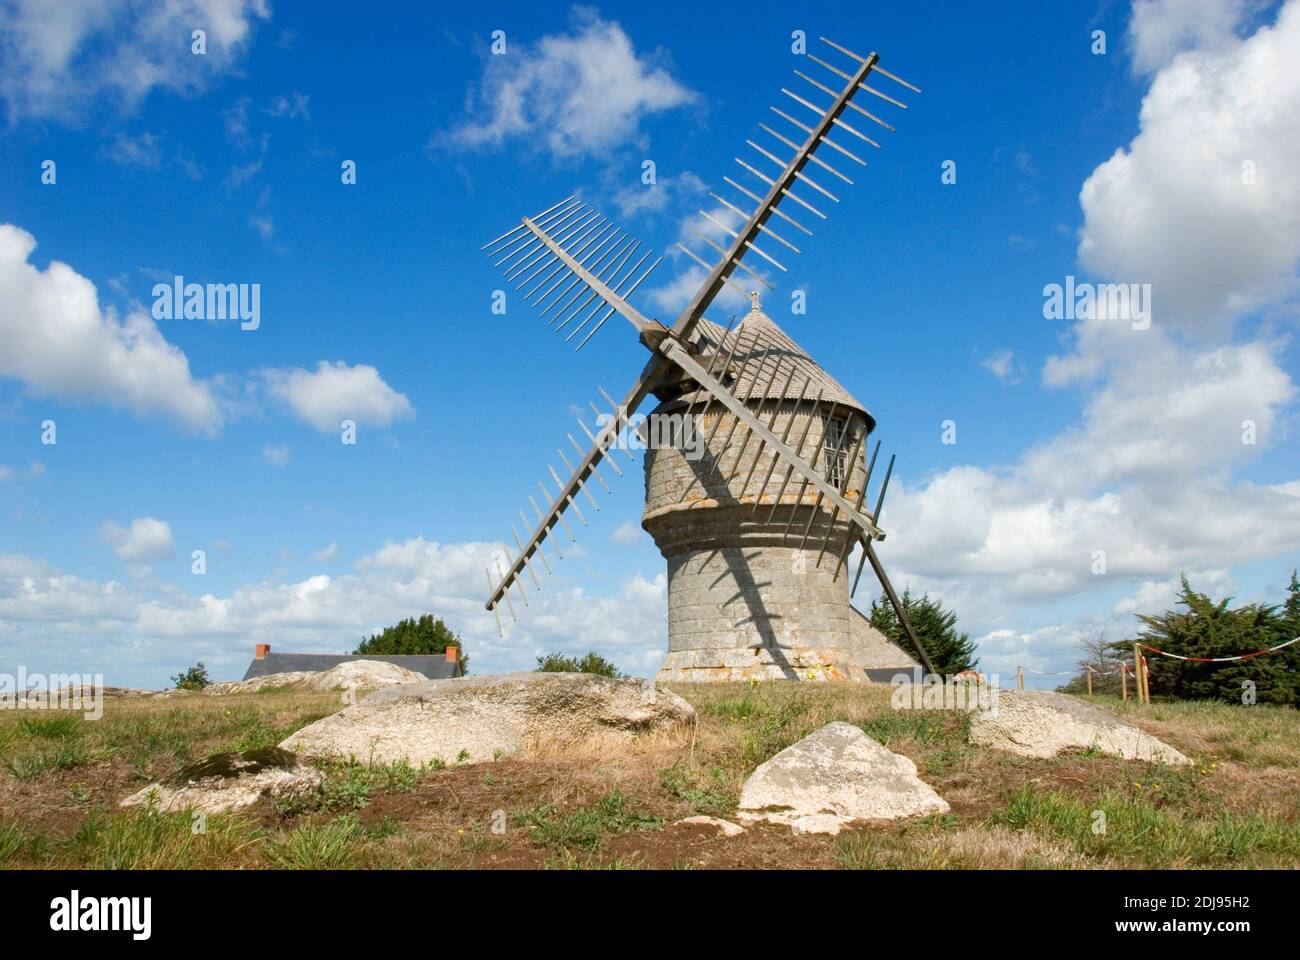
<point x="758" y="506"/>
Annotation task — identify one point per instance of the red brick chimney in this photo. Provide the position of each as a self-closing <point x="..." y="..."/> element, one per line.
<point x="453" y="654"/>
<point x="261" y="651"/>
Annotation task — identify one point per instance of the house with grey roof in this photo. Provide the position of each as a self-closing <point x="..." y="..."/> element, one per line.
<point x="435" y="666"/>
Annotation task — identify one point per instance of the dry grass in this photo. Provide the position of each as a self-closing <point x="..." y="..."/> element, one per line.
<point x="607" y="804"/>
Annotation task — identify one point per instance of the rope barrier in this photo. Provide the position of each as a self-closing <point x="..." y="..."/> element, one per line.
<point x="1123" y="667"/>
<point x="1243" y="656"/>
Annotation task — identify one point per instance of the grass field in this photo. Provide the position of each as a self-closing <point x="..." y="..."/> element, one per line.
<point x="61" y="778"/>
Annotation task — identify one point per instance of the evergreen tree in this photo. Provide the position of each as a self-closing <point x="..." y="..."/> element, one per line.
<point x="950" y="652"/>
<point x="1208" y="629"/>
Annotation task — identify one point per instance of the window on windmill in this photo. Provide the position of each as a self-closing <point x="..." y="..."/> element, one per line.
<point x="835" y="444"/>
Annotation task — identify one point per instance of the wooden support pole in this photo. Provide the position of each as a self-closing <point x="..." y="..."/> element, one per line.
<point x="1020" y="678"/>
<point x="899" y="610"/>
<point x="1123" y="672"/>
<point x="1139" y="682"/>
<point x="1089" y="673"/>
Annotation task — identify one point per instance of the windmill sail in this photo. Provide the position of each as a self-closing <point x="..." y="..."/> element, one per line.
<point x="616" y="420"/>
<point x="563" y="258"/>
<point x="794" y="174"/>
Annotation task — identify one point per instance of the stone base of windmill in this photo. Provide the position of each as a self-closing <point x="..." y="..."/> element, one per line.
<point x="816" y="664"/>
<point x="868" y="649"/>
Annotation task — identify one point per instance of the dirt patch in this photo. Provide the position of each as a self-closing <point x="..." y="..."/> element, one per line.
<point x="57" y="802"/>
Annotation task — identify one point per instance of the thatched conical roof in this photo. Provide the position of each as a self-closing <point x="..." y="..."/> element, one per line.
<point x="761" y="365"/>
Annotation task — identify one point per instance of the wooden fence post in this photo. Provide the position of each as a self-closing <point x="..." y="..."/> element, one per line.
<point x="1123" y="678"/>
<point x="1089" y="673"/>
<point x="1020" y="678"/>
<point x="1139" y="673"/>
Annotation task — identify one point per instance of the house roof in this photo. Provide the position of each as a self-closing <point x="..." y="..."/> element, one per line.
<point x="434" y="666"/>
<point x="774" y="360"/>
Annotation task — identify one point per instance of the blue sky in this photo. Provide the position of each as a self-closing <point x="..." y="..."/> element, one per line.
<point x="924" y="298"/>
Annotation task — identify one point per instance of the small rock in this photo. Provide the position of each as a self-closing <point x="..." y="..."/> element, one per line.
<point x="1037" y="723"/>
<point x="230" y="781"/>
<point x="474" y="719"/>
<point x="725" y="827"/>
<point x="818" y="823"/>
<point x="833" y="777"/>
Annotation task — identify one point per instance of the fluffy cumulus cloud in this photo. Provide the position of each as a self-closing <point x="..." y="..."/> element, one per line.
<point x="163" y="628"/>
<point x="575" y="93"/>
<point x="335" y="392"/>
<point x="56" y="59"/>
<point x="146" y="539"/>
<point x="1148" y="483"/>
<point x="1160" y="29"/>
<point x="1203" y="204"/>
<point x="1003" y="365"/>
<point x="57" y="340"/>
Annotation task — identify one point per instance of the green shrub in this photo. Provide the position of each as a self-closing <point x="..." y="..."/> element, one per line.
<point x="589" y="663"/>
<point x="195" y="678"/>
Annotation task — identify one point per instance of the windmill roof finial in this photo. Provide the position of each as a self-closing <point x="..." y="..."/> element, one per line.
<point x="753" y="301"/>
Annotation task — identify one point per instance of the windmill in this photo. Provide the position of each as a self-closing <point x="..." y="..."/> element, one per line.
<point x="756" y="489"/>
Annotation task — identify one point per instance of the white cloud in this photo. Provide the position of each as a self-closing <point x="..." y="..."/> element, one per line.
<point x="264" y="224"/>
<point x="5" y="472"/>
<point x="1003" y="365"/>
<point x="240" y="174"/>
<point x="326" y="554"/>
<point x="627" y="532"/>
<point x="234" y="120"/>
<point x="55" y="339"/>
<point x="677" y="293"/>
<point x="145" y="541"/>
<point x="337" y="392"/>
<point x="1157" y="596"/>
<point x="1160" y="29"/>
<point x="293" y="106"/>
<point x="1171" y="208"/>
<point x="276" y="456"/>
<point x="57" y="59"/>
<point x="638" y="199"/>
<point x="143" y="151"/>
<point x="673" y="296"/>
<point x="93" y="624"/>
<point x="577" y="93"/>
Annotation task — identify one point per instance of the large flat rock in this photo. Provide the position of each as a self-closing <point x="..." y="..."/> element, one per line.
<point x="229" y="781"/>
<point x="1037" y="723"/>
<point x="473" y="719"/>
<point x="834" y="777"/>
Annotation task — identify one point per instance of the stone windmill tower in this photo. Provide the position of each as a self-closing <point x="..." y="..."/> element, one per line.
<point x="747" y="596"/>
<point x="756" y="489"/>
